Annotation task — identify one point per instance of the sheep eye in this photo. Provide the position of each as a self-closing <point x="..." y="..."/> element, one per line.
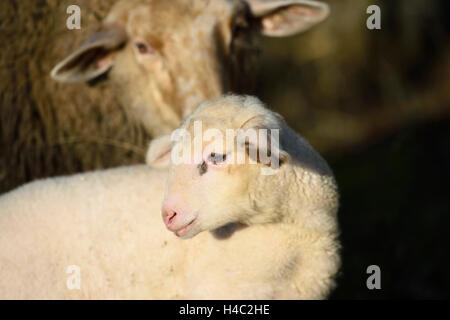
<point x="142" y="48"/>
<point x="216" y="158"/>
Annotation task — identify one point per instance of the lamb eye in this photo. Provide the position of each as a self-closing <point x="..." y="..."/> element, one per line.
<point x="216" y="158"/>
<point x="142" y="48"/>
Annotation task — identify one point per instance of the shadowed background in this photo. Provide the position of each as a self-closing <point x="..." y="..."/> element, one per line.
<point x="375" y="103"/>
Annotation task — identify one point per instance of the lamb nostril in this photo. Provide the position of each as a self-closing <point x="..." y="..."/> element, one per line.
<point x="172" y="216"/>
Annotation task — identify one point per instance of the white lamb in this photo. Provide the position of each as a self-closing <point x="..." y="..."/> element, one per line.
<point x="252" y="235"/>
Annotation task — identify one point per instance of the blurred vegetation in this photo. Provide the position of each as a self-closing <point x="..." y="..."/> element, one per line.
<point x="376" y="104"/>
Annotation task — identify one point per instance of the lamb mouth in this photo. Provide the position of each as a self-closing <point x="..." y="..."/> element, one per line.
<point x="182" y="231"/>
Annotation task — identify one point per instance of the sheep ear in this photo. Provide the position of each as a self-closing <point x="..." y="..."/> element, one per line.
<point x="266" y="149"/>
<point x="281" y="18"/>
<point x="159" y="152"/>
<point x="93" y="58"/>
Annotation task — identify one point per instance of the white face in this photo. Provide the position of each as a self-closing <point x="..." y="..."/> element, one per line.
<point x="175" y="58"/>
<point x="165" y="57"/>
<point x="208" y="192"/>
<point x="200" y="49"/>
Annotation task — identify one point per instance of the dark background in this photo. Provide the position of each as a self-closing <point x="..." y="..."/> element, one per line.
<point x="374" y="103"/>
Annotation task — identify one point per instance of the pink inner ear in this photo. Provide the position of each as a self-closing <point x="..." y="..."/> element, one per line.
<point x="288" y="17"/>
<point x="104" y="62"/>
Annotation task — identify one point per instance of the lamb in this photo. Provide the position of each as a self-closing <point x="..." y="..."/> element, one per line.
<point x="148" y="65"/>
<point x="237" y="233"/>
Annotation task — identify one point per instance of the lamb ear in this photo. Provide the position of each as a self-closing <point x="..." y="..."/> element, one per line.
<point x="281" y="18"/>
<point x="266" y="148"/>
<point x="93" y="58"/>
<point x="159" y="152"/>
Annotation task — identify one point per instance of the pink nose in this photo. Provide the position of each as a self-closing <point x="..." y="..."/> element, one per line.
<point x="169" y="217"/>
<point x="172" y="216"/>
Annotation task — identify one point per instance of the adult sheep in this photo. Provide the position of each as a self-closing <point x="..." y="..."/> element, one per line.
<point x="148" y="64"/>
<point x="241" y="234"/>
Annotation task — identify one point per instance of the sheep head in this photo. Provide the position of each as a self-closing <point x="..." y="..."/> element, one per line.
<point x="165" y="57"/>
<point x="232" y="161"/>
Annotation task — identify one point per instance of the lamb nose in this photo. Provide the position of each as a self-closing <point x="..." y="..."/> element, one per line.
<point x="172" y="216"/>
<point x="169" y="217"/>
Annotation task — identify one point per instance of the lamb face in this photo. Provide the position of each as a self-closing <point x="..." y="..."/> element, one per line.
<point x="219" y="162"/>
<point x="165" y="57"/>
<point x="208" y="192"/>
